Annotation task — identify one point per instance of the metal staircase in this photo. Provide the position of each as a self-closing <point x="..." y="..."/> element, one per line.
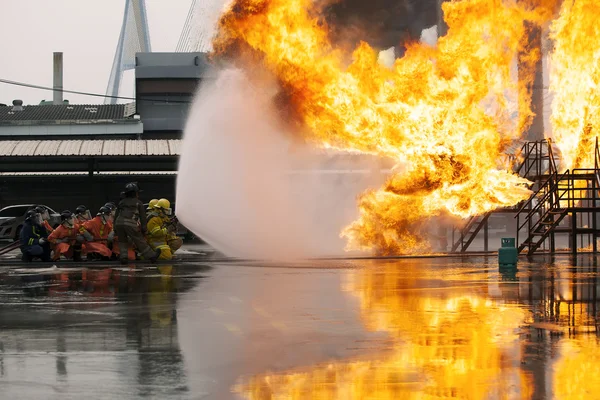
<point x="469" y="232"/>
<point x="543" y="213"/>
<point x="563" y="203"/>
<point x="537" y="160"/>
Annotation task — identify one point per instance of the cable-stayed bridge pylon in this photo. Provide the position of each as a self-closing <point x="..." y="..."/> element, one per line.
<point x="134" y="37"/>
<point x="200" y="25"/>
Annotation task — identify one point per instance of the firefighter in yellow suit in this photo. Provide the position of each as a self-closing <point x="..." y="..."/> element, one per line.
<point x="159" y="229"/>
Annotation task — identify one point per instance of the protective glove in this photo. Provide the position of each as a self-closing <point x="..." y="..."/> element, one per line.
<point x="111" y="236"/>
<point x="88" y="236"/>
<point x="80" y="238"/>
<point x="42" y="241"/>
<point x="63" y="240"/>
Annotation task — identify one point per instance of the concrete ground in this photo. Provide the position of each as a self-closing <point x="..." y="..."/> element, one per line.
<point x="338" y="329"/>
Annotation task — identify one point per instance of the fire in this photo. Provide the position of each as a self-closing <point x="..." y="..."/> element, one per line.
<point x="444" y="345"/>
<point x="574" y="373"/>
<point x="444" y="115"/>
<point x="575" y="82"/>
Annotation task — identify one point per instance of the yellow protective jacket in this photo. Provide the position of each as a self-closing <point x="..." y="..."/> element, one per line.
<point x="158" y="232"/>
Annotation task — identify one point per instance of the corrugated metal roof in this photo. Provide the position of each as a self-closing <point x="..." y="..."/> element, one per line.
<point x="89" y="148"/>
<point x="68" y="112"/>
<point x="135" y="147"/>
<point x="49" y="148"/>
<point x="158" y="147"/>
<point x="25" y="148"/>
<point x="69" y="147"/>
<point x="113" y="148"/>
<point x="174" y="147"/>
<point x="7" y="146"/>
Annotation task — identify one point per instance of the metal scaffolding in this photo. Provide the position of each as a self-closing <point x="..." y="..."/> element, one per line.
<point x="562" y="203"/>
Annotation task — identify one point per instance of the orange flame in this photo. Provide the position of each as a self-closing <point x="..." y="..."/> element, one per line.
<point x="575" y="82"/>
<point x="443" y="114"/>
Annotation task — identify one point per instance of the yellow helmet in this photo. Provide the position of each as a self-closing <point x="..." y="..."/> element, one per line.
<point x="152" y="204"/>
<point x="164" y="205"/>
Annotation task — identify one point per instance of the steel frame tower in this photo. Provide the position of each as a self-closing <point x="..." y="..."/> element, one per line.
<point x="134" y="38"/>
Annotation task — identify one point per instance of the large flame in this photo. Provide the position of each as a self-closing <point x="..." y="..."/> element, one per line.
<point x="443" y="114"/>
<point x="575" y="82"/>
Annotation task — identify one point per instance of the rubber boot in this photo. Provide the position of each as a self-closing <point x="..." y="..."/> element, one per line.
<point x="155" y="256"/>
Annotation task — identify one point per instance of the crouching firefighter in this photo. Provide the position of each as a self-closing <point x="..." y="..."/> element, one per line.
<point x="168" y="228"/>
<point x="130" y="225"/>
<point x="96" y="233"/>
<point x="82" y="214"/>
<point x="45" y="214"/>
<point x="64" y="238"/>
<point x="158" y="229"/>
<point x="34" y="238"/>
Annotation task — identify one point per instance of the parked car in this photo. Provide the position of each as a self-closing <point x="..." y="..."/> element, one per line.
<point x="12" y="217"/>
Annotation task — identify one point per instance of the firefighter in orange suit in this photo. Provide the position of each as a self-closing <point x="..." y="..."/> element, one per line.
<point x="64" y="238"/>
<point x="82" y="214"/>
<point x="95" y="233"/>
<point x="43" y="211"/>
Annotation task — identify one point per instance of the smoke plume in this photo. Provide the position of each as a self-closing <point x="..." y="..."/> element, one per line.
<point x="381" y="23"/>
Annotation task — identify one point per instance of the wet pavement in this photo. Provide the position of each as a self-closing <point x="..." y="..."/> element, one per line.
<point x="433" y="328"/>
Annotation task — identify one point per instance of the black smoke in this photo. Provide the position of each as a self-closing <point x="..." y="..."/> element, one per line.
<point x="381" y="23"/>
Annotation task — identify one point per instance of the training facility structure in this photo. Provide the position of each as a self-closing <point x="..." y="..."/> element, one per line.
<point x="561" y="214"/>
<point x="63" y="154"/>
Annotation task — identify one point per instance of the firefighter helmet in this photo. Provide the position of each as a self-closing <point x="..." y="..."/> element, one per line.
<point x="164" y="205"/>
<point x="65" y="215"/>
<point x="152" y="204"/>
<point x="132" y="187"/>
<point x="104" y="210"/>
<point x="81" y="209"/>
<point x="31" y="215"/>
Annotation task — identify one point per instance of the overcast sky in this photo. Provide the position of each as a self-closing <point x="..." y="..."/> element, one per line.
<point x="86" y="32"/>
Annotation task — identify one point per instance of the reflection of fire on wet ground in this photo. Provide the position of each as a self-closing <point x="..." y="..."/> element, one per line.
<point x="456" y="333"/>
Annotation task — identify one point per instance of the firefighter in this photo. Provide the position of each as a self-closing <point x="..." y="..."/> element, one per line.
<point x="65" y="239"/>
<point x="130" y="224"/>
<point x="113" y="239"/>
<point x="82" y="214"/>
<point x="151" y="205"/>
<point x="95" y="233"/>
<point x="158" y="229"/>
<point x="43" y="211"/>
<point x="34" y="238"/>
<point x="112" y="207"/>
<point x="174" y="241"/>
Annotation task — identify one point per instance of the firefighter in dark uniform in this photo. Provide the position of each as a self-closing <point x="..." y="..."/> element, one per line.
<point x="130" y="225"/>
<point x="34" y="238"/>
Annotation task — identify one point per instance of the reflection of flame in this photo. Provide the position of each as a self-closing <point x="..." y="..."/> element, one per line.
<point x="461" y="346"/>
<point x="575" y="81"/>
<point x="576" y="372"/>
<point x="446" y="112"/>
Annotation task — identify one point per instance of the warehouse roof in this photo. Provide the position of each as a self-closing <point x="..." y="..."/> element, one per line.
<point x="62" y="148"/>
<point x="67" y="113"/>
